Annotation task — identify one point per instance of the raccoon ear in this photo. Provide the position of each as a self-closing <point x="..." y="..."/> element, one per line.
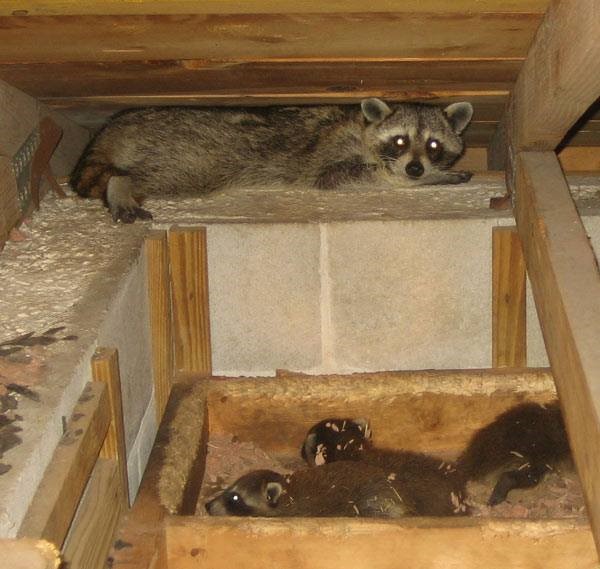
<point x="309" y="448"/>
<point x="273" y="491"/>
<point x="375" y="110"/>
<point x="459" y="115"/>
<point x="364" y="427"/>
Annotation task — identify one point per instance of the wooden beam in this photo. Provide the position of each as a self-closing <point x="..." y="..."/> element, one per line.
<point x="558" y="82"/>
<point x="29" y="554"/>
<point x="566" y="287"/>
<point x="237" y="77"/>
<point x="70" y="7"/>
<point x="91" y="534"/>
<point x="189" y="286"/>
<point x="105" y="368"/>
<point x="159" y="302"/>
<point x="509" y="330"/>
<point x="356" y="35"/>
<point x="468" y="543"/>
<point x="54" y="504"/>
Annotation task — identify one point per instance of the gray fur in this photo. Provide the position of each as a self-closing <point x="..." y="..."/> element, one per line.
<point x="183" y="150"/>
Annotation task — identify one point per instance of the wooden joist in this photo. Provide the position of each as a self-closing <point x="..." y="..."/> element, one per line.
<point x="91" y="534"/>
<point x="159" y="304"/>
<point x="189" y="287"/>
<point x="98" y="7"/>
<point x="558" y="82"/>
<point x="566" y="286"/>
<point x="509" y="330"/>
<point x="105" y="368"/>
<point x="55" y="502"/>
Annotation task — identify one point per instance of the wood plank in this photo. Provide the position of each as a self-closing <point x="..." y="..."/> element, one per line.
<point x="105" y="369"/>
<point x="54" y="504"/>
<point x="580" y="158"/>
<point x="558" y="83"/>
<point x="416" y="543"/>
<point x="99" y="7"/>
<point x="237" y="78"/>
<point x="91" y="534"/>
<point x="418" y="408"/>
<point x="270" y="36"/>
<point x="159" y="302"/>
<point x="29" y="554"/>
<point x="141" y="529"/>
<point x="509" y="329"/>
<point x="566" y="287"/>
<point x="189" y="286"/>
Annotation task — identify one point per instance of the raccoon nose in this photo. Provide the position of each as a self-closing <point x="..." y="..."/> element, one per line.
<point x="415" y="169"/>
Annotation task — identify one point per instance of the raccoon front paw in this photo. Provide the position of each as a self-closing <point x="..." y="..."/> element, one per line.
<point x="129" y="214"/>
<point x="461" y="176"/>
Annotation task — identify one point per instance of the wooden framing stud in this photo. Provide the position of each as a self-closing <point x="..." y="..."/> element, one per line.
<point x="55" y="502"/>
<point x="189" y="286"/>
<point x="92" y="531"/>
<point x="105" y="368"/>
<point x="566" y="287"/>
<point x="159" y="296"/>
<point x="509" y="330"/>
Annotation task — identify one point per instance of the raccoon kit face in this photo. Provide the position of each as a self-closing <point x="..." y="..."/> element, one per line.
<point x="254" y="494"/>
<point x="336" y="439"/>
<point x="416" y="141"/>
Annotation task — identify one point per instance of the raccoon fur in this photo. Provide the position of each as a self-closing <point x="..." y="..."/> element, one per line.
<point x="338" y="489"/>
<point x="187" y="150"/>
<point x="430" y="485"/>
<point x="517" y="449"/>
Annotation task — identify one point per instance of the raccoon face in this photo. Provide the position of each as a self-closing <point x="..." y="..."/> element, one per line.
<point x="254" y="494"/>
<point x="336" y="439"/>
<point x="413" y="141"/>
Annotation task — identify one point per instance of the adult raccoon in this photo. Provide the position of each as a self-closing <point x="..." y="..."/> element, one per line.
<point x="193" y="150"/>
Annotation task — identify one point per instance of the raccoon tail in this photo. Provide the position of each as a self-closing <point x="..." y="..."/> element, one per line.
<point x="91" y="175"/>
<point x="94" y="177"/>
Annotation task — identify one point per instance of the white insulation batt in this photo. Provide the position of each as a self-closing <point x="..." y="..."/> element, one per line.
<point x="304" y="280"/>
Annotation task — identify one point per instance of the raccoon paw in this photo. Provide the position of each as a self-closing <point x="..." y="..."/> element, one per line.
<point x="129" y="214"/>
<point x="461" y="176"/>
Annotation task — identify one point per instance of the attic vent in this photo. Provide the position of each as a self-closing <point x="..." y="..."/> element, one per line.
<point x="21" y="166"/>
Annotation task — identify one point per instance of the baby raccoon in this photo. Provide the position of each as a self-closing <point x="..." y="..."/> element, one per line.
<point x="195" y="150"/>
<point x="519" y="447"/>
<point x="338" y="489"/>
<point x="430" y="486"/>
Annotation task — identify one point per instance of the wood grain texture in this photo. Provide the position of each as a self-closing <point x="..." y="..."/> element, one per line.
<point x="509" y="327"/>
<point x="54" y="504"/>
<point x="566" y="287"/>
<point x="142" y="527"/>
<point x="159" y="302"/>
<point x="91" y="533"/>
<point x="558" y="82"/>
<point x="29" y="554"/>
<point x="189" y="289"/>
<point x="70" y="7"/>
<point x="273" y="36"/>
<point x="105" y="368"/>
<point x="467" y="543"/>
<point x="417" y="408"/>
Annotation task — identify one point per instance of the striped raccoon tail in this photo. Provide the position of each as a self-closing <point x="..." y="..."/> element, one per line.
<point x="95" y="178"/>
